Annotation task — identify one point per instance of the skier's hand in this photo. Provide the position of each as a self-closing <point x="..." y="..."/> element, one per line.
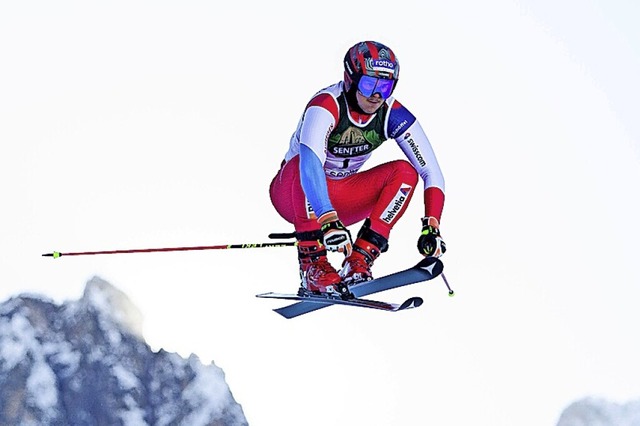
<point x="335" y="236"/>
<point x="430" y="242"/>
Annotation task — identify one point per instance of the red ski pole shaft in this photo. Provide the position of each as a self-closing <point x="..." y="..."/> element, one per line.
<point x="57" y="254"/>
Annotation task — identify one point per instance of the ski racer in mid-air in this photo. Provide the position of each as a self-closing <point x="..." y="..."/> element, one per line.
<point x="321" y="190"/>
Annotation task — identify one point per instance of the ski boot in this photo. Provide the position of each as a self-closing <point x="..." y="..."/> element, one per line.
<point x="317" y="275"/>
<point x="366" y="249"/>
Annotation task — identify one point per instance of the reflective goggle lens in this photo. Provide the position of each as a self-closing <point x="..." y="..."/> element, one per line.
<point x="369" y="86"/>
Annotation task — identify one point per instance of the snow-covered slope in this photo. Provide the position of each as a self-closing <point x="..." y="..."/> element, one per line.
<point x="84" y="362"/>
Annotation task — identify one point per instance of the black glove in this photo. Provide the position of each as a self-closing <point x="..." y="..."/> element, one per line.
<point x="430" y="242"/>
<point x="336" y="237"/>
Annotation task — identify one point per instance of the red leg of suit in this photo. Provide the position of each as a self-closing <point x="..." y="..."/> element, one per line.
<point x="381" y="194"/>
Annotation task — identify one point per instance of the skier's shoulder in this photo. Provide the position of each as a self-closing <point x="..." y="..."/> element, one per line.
<point x="327" y="99"/>
<point x="395" y="107"/>
<point x="400" y="118"/>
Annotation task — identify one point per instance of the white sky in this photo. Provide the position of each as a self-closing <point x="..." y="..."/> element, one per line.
<point x="159" y="124"/>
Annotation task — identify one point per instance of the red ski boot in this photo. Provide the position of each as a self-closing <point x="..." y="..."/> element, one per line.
<point x="357" y="267"/>
<point x="316" y="273"/>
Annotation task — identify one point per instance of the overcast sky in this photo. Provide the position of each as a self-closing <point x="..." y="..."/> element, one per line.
<point x="145" y="124"/>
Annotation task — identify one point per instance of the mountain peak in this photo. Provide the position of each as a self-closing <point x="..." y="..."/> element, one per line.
<point x="84" y="362"/>
<point x="592" y="411"/>
<point x="114" y="304"/>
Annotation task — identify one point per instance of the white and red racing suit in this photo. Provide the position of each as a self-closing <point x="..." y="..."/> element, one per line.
<point x="321" y="170"/>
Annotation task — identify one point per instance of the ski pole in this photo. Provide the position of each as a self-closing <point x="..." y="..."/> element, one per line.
<point x="451" y="293"/>
<point x="57" y="254"/>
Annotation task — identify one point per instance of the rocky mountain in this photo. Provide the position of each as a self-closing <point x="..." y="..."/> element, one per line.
<point x="85" y="363"/>
<point x="600" y="412"/>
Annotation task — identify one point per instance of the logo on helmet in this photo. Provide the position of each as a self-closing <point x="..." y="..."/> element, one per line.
<point x="384" y="63"/>
<point x="383" y="66"/>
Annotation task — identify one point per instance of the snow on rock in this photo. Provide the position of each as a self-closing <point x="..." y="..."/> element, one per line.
<point x="113" y="303"/>
<point x="85" y="362"/>
<point x="600" y="412"/>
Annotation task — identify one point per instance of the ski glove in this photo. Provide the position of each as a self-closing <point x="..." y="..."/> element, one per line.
<point x="334" y="234"/>
<point x="430" y="242"/>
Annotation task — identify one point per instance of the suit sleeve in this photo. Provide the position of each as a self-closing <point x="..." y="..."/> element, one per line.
<point x="319" y="119"/>
<point x="411" y="138"/>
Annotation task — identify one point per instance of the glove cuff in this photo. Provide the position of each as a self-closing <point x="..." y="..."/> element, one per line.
<point x="330" y="216"/>
<point x="430" y="221"/>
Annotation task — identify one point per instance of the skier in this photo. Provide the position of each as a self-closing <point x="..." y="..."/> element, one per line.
<point x="321" y="190"/>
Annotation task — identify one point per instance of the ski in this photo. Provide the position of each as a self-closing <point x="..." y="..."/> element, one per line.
<point x="425" y="270"/>
<point x="412" y="302"/>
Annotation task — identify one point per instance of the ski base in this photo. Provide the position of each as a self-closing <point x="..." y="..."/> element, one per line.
<point x="410" y="303"/>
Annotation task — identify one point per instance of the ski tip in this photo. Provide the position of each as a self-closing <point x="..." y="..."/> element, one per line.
<point x="412" y="302"/>
<point x="433" y="265"/>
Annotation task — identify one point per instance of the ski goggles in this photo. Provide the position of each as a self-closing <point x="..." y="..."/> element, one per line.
<point x="369" y="86"/>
